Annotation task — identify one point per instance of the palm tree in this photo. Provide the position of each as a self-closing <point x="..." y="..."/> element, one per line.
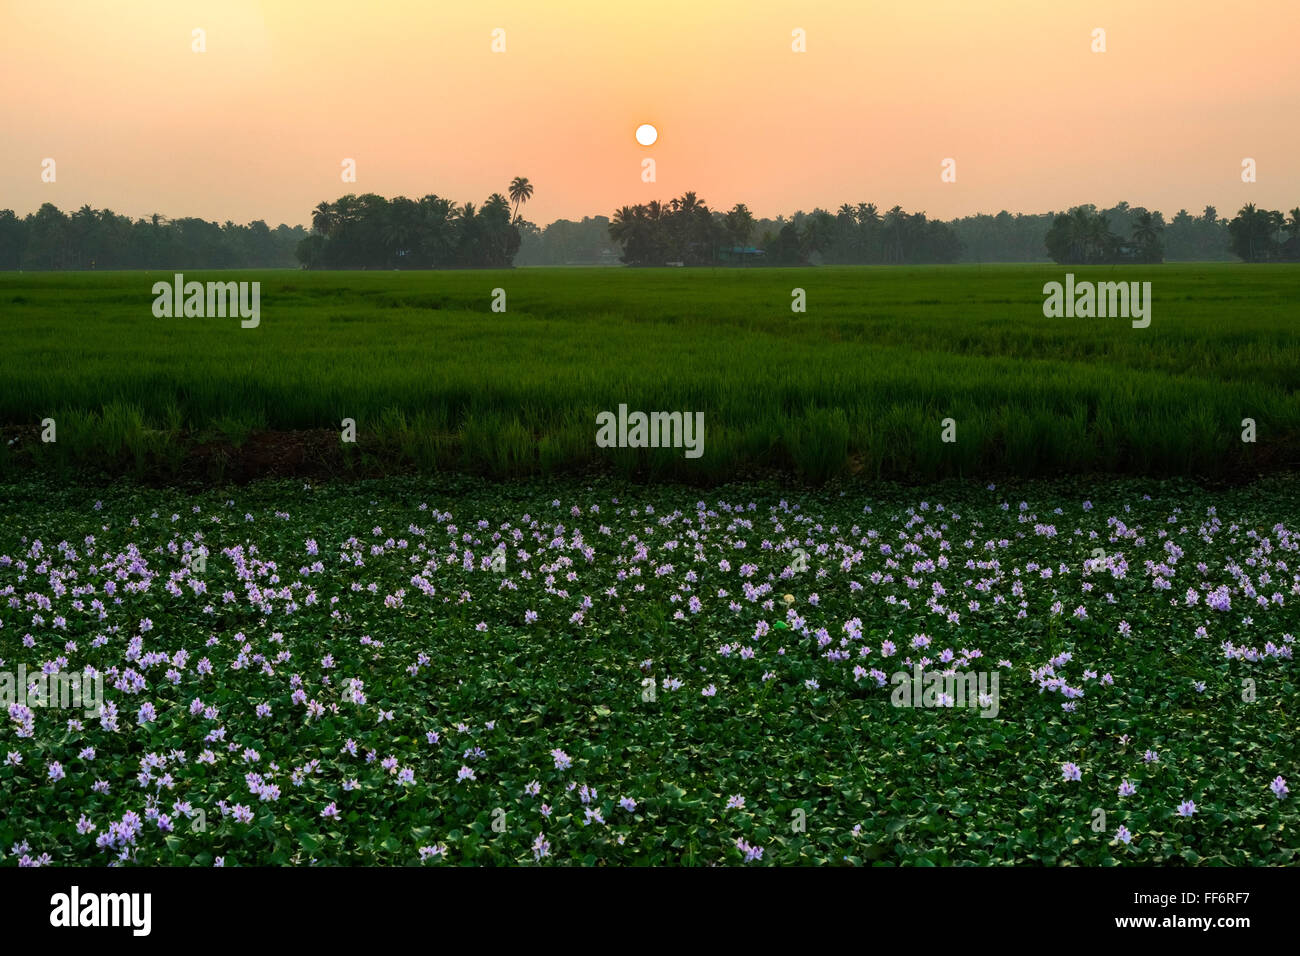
<point x="438" y="230"/>
<point x="521" y="190"/>
<point x="1101" y="239"/>
<point x="1080" y="231"/>
<point x="1144" y="229"/>
<point x="893" y="230"/>
<point x="495" y="205"/>
<point x="620" y="229"/>
<point x="633" y="229"/>
<point x="740" y="224"/>
<point x="1293" y="224"/>
<point x="323" y="219"/>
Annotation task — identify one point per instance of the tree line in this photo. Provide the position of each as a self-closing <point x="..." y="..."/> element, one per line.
<point x="371" y="232"/>
<point x="1084" y="235"/>
<point x="685" y="230"/>
<point x="102" y="239"/>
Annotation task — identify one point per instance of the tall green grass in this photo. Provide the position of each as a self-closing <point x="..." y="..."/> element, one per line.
<point x="858" y="384"/>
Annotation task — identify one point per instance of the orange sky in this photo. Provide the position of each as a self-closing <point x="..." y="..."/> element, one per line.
<point x="257" y="126"/>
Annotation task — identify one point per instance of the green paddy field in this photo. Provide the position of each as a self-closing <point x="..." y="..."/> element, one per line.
<point x="859" y="384"/>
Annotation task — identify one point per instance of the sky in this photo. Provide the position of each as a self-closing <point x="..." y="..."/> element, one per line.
<point x="258" y="125"/>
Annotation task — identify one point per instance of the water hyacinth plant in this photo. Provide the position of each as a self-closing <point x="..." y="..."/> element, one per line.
<point x="647" y="678"/>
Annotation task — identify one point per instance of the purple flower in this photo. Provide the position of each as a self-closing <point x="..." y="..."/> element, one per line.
<point x="1122" y="835"/>
<point x="1278" y="786"/>
<point x="1186" y="808"/>
<point x="562" y="761"/>
<point x="1070" y="772"/>
<point x="541" y="847"/>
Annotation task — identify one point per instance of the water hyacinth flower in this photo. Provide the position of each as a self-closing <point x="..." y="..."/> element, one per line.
<point x="1127" y="789"/>
<point x="541" y="847"/>
<point x="1122" y="835"/>
<point x="1186" y="808"/>
<point x="1070" y="772"/>
<point x="751" y="853"/>
<point x="562" y="760"/>
<point x="1278" y="786"/>
<point x="736" y="802"/>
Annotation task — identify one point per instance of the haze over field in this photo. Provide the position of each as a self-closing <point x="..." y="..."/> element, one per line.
<point x="256" y="127"/>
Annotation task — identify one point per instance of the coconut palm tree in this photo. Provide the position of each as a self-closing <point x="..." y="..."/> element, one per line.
<point x="634" y="229"/>
<point x="624" y="222"/>
<point x="521" y="190"/>
<point x="323" y="219"/>
<point x="1145" y="235"/>
<point x="1080" y="231"/>
<point x="893" y="226"/>
<point x="740" y="224"/>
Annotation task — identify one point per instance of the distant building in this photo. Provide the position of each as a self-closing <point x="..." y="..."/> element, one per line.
<point x="739" y="255"/>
